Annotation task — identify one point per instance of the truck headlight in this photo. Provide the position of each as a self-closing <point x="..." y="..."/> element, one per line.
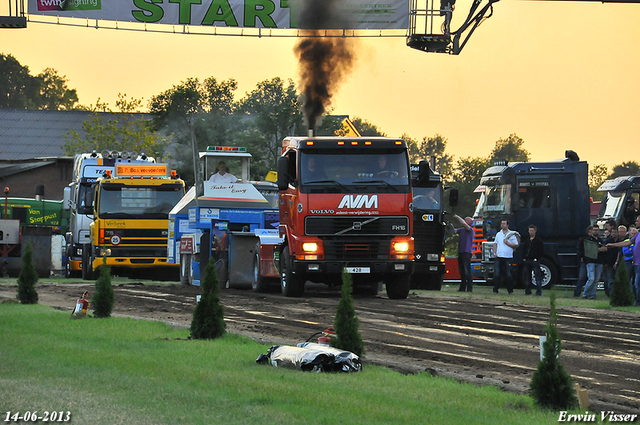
<point x="310" y="247"/>
<point x="401" y="246"/>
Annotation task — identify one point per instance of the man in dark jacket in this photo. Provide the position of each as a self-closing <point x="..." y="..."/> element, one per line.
<point x="533" y="250"/>
<point x="594" y="257"/>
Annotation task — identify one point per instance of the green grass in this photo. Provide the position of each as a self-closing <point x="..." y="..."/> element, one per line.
<point x="113" y="371"/>
<point x="564" y="296"/>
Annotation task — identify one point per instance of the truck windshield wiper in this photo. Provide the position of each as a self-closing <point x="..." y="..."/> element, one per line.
<point x="378" y="181"/>
<point x="330" y="181"/>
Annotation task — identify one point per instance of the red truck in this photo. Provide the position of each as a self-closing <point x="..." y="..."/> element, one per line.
<point x="346" y="203"/>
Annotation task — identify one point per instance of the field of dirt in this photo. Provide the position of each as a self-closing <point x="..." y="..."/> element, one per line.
<point x="481" y="341"/>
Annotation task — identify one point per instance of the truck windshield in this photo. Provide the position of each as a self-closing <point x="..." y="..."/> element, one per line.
<point x="154" y="202"/>
<point x="354" y="172"/>
<point x="426" y="198"/>
<point x="612" y="204"/>
<point x="495" y="201"/>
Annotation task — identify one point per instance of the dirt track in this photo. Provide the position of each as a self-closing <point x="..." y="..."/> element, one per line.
<point x="469" y="339"/>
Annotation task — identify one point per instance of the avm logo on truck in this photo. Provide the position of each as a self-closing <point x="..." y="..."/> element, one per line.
<point x="358" y="201"/>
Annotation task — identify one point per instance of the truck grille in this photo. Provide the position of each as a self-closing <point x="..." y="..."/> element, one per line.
<point x="358" y="249"/>
<point x="356" y="226"/>
<point x="154" y="237"/>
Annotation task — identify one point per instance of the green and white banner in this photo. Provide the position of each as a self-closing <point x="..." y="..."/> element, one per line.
<point x="276" y="14"/>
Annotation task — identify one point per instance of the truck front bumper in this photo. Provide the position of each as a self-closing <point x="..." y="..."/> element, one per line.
<point x="328" y="271"/>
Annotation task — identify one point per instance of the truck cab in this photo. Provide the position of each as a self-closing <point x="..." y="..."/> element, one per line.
<point x="552" y="195"/>
<point x="428" y="228"/>
<point x="621" y="200"/>
<point x="345" y="203"/>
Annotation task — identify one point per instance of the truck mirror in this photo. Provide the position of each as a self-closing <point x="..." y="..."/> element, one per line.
<point x="453" y="197"/>
<point x="282" y="168"/>
<point x="66" y="198"/>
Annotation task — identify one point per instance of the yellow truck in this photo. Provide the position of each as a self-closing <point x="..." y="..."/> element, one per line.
<point x="129" y="229"/>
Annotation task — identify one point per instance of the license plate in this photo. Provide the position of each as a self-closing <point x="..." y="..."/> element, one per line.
<point x="433" y="268"/>
<point x="354" y="270"/>
<point x="477" y="267"/>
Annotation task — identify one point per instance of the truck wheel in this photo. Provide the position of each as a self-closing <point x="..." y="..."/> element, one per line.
<point x="258" y="283"/>
<point x="185" y="269"/>
<point x="549" y="273"/>
<point x="87" y="264"/>
<point x="290" y="284"/>
<point x="398" y="288"/>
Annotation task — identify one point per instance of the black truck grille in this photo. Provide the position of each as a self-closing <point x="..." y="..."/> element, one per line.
<point x="356" y="226"/>
<point x="356" y="249"/>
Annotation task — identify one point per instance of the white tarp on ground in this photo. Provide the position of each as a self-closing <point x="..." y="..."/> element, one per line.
<point x="275" y="14"/>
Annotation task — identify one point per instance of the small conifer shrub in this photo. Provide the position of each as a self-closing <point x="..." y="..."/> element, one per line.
<point x="621" y="294"/>
<point x="346" y="322"/>
<point x="550" y="385"/>
<point x="27" y="279"/>
<point x="208" y="317"/>
<point x="103" y="298"/>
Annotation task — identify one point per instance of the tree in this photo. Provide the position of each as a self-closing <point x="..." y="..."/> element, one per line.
<point x="204" y="110"/>
<point x="28" y="278"/>
<point x="366" y="128"/>
<point x="21" y="90"/>
<point x="466" y="177"/>
<point x="510" y="149"/>
<point x="551" y="385"/>
<point x="273" y="108"/>
<point x="121" y="131"/>
<point x="597" y="176"/>
<point x="629" y="168"/>
<point x="435" y="147"/>
<point x="103" y="298"/>
<point x="621" y="294"/>
<point x="346" y="322"/>
<point x="208" y="317"/>
<point x="54" y="93"/>
<point x="18" y="88"/>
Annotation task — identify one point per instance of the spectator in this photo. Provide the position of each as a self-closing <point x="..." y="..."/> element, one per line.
<point x="505" y="243"/>
<point x="608" y="271"/>
<point x="636" y="257"/>
<point x="595" y="257"/>
<point x="533" y="251"/>
<point x="582" y="264"/>
<point x="223" y="175"/>
<point x="465" y="249"/>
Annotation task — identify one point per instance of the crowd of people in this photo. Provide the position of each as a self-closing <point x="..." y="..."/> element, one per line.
<point x="599" y="257"/>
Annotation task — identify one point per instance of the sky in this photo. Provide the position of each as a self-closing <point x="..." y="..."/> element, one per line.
<point x="560" y="75"/>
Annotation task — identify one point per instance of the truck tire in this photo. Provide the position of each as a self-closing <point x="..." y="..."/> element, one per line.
<point x="290" y="284"/>
<point x="258" y="283"/>
<point x="550" y="273"/>
<point x="87" y="264"/>
<point x="185" y="269"/>
<point x="398" y="288"/>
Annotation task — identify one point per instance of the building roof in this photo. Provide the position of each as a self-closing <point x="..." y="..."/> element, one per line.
<point x="36" y="134"/>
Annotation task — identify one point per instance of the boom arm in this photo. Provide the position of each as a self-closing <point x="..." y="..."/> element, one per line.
<point x="423" y="16"/>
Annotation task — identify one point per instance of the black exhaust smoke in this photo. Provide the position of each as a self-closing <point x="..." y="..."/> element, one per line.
<point x="323" y="61"/>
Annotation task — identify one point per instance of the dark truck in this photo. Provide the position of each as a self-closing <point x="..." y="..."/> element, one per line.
<point x="553" y="195"/>
<point x="428" y="229"/>
<point x="621" y="200"/>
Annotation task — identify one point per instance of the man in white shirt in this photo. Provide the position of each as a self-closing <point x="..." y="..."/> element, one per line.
<point x="223" y="175"/>
<point x="506" y="242"/>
